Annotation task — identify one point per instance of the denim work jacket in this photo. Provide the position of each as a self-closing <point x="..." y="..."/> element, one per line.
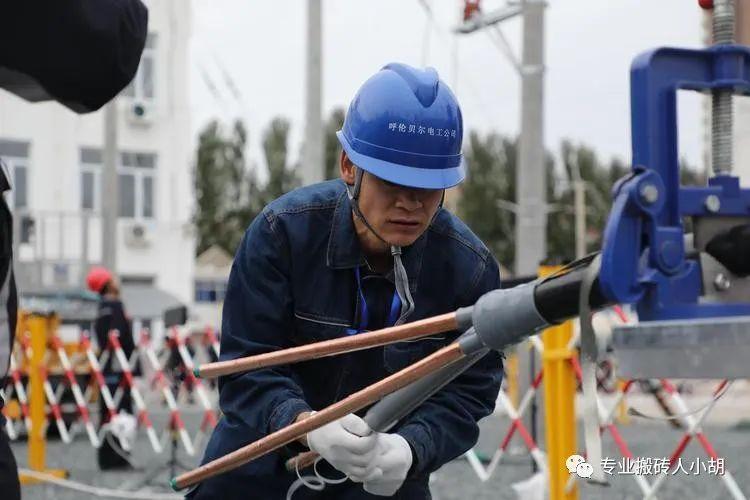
<point x="293" y="283"/>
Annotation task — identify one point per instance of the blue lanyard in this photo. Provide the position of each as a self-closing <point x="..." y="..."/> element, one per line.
<point x="364" y="317"/>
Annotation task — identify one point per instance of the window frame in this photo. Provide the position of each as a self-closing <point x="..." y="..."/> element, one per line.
<point x="136" y="88"/>
<point x="216" y="288"/>
<point x="96" y="171"/>
<point x="139" y="173"/>
<point x="13" y="163"/>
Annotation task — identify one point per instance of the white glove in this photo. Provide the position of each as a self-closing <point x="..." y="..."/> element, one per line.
<point x="392" y="464"/>
<point x="348" y="444"/>
<point x="123" y="427"/>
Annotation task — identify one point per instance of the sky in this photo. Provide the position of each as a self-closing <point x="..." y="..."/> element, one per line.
<point x="248" y="61"/>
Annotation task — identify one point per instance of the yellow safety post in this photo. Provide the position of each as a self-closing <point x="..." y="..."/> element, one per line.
<point x="559" y="404"/>
<point x="39" y="327"/>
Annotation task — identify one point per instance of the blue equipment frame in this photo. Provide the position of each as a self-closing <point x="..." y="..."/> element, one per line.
<point x="643" y="252"/>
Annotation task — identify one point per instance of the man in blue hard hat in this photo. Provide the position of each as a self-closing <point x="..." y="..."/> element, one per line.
<point x="370" y="250"/>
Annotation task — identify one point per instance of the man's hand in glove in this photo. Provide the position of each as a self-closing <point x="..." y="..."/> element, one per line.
<point x="348" y="444"/>
<point x="392" y="463"/>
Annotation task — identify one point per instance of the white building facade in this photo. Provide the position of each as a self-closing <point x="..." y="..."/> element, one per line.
<point x="55" y="159"/>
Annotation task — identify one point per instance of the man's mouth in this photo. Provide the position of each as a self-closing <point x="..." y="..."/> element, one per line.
<point x="407" y="226"/>
<point x="405" y="222"/>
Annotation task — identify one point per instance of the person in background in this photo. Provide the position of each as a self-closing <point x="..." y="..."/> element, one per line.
<point x="111" y="316"/>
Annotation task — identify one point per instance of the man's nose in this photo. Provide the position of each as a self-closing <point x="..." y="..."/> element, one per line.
<point x="409" y="199"/>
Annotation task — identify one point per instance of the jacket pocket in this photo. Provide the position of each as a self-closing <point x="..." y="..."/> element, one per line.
<point x="309" y="328"/>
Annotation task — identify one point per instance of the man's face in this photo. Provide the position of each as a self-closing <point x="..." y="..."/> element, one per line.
<point x="113" y="287"/>
<point x="398" y="214"/>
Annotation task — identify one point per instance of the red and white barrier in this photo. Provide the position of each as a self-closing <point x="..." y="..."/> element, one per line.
<point x="83" y="410"/>
<point x="693" y="426"/>
<point x="18" y="389"/>
<point x="210" y="339"/>
<point x="160" y="381"/>
<point x="128" y="381"/>
<point x="209" y="416"/>
<point x="97" y="376"/>
<point x="54" y="406"/>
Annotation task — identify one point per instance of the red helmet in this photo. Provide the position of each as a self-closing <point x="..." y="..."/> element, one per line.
<point x="98" y="277"/>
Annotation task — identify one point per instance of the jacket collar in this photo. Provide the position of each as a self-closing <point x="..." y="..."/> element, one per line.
<point x="345" y="252"/>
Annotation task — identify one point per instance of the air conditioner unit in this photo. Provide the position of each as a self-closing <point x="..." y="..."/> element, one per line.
<point x="138" y="235"/>
<point x="140" y="112"/>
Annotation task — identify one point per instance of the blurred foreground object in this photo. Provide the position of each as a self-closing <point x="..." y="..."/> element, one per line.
<point x="79" y="53"/>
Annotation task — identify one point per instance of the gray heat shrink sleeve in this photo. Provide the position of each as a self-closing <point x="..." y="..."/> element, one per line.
<point x="396" y="405"/>
<point x="501" y="318"/>
<point x="505" y="317"/>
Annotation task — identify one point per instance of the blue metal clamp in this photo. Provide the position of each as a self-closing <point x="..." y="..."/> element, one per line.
<point x="643" y="254"/>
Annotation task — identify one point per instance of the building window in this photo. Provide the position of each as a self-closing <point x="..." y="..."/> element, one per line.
<point x="137" y="279"/>
<point x="135" y="178"/>
<point x="126" y="196"/>
<point x="91" y="179"/>
<point x="142" y="86"/>
<point x="210" y="291"/>
<point x="15" y="154"/>
<point x="88" y="184"/>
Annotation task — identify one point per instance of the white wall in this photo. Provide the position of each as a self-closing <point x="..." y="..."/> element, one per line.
<point x="207" y="315"/>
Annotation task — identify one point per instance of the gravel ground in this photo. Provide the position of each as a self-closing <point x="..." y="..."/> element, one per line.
<point x="456" y="480"/>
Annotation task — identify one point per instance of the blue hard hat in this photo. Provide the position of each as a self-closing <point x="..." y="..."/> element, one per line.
<point x="405" y="126"/>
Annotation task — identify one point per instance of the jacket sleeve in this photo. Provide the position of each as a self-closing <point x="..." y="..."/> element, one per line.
<point x="445" y="426"/>
<point x="258" y="313"/>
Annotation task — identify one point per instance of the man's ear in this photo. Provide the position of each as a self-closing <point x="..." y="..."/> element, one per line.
<point x="347" y="169"/>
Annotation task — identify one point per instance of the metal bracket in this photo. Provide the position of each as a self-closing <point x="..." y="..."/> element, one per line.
<point x="708" y="348"/>
<point x="643" y="258"/>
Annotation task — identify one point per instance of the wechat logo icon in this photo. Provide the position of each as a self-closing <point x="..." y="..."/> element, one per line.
<point x="576" y="464"/>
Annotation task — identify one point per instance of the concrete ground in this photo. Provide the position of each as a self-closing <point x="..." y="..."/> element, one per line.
<point x="457" y="480"/>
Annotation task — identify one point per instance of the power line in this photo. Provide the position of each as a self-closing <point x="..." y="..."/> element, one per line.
<point x="444" y="35"/>
<point x="228" y="80"/>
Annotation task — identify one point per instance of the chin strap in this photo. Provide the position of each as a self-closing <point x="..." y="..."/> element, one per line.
<point x="402" y="285"/>
<point x="399" y="271"/>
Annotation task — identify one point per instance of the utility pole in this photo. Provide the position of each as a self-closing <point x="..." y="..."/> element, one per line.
<point x="110" y="188"/>
<point x="579" y="191"/>
<point x="312" y="164"/>
<point x="531" y="202"/>
<point x="531" y="187"/>
<point x="531" y="179"/>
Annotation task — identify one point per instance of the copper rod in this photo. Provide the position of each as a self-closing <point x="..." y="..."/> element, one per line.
<point x="301" y="461"/>
<point x="439" y="379"/>
<point x="350" y="404"/>
<point x="428" y="326"/>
